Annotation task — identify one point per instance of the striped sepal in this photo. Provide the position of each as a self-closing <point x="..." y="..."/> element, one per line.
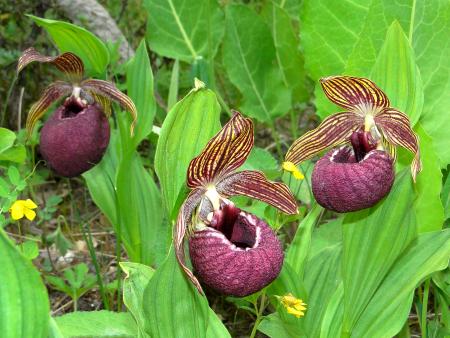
<point x="225" y="152"/>
<point x="68" y="63"/>
<point x="334" y="130"/>
<point x="255" y="185"/>
<point x="184" y="217"/>
<point x="350" y="92"/>
<point x="104" y="102"/>
<point x="110" y="91"/>
<point x="51" y="94"/>
<point x="396" y="128"/>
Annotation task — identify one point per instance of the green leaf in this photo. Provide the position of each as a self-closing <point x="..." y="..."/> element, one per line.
<point x="396" y="72"/>
<point x="71" y="38"/>
<point x="446" y="197"/>
<point x="288" y="55"/>
<point x="274" y="327"/>
<point x="173" y="307"/>
<point x="29" y="249"/>
<point x="373" y="239"/>
<point x="184" y="30"/>
<point x="173" y="88"/>
<point x="428" y="204"/>
<point x="389" y="307"/>
<point x="299" y="248"/>
<point x="187" y="128"/>
<point x="14" y="175"/>
<point x="216" y="329"/>
<point x="99" y="324"/>
<point x="137" y="278"/>
<point x="250" y="70"/>
<point x="15" y="154"/>
<point x="141" y="215"/>
<point x="140" y="90"/>
<point x="332" y="318"/>
<point x="22" y="294"/>
<point x="7" y="138"/>
<point x="260" y="159"/>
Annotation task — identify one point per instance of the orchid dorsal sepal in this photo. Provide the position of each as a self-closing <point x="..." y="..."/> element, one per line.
<point x="212" y="179"/>
<point x="368" y="109"/>
<point x="91" y="90"/>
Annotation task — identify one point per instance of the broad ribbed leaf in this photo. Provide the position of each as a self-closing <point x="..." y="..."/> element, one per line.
<point x="428" y="204"/>
<point x="255" y="185"/>
<point x="288" y="55"/>
<point x="140" y="90"/>
<point x="332" y="318"/>
<point x="273" y="326"/>
<point x="334" y="130"/>
<point x="68" y="63"/>
<point x="352" y="92"/>
<point x="216" y="329"/>
<point x="141" y="217"/>
<point x="172" y="306"/>
<point x="75" y="39"/>
<point x="225" y="152"/>
<point x="50" y="95"/>
<point x="396" y="127"/>
<point x="250" y="69"/>
<point x="395" y="71"/>
<point x="389" y="307"/>
<point x="183" y="29"/>
<point x="99" y="324"/>
<point x="187" y="128"/>
<point x="23" y="296"/>
<point x="373" y="240"/>
<point x="109" y="90"/>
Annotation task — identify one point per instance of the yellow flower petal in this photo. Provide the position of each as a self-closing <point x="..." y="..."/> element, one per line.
<point x="16" y="210"/>
<point x="289" y="166"/>
<point x="30" y="204"/>
<point x="30" y="214"/>
<point x="295" y="312"/>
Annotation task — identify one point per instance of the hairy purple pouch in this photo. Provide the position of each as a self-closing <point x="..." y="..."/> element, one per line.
<point x="341" y="183"/>
<point x="74" y="138"/>
<point x="239" y="257"/>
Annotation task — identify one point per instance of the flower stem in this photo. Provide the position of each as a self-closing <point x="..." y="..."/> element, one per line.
<point x="259" y="312"/>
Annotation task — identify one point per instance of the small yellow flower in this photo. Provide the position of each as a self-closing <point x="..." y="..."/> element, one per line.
<point x="21" y="208"/>
<point x="294" y="306"/>
<point x="291" y="167"/>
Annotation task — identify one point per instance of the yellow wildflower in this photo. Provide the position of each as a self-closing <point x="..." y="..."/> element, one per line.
<point x="294" y="306"/>
<point x="292" y="168"/>
<point x="21" y="208"/>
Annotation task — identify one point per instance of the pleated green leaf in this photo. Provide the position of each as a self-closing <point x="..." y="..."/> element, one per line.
<point x="172" y="305"/>
<point x="428" y="204"/>
<point x="187" y="128"/>
<point x="184" y="30"/>
<point x="71" y="38"/>
<point x="99" y="324"/>
<point x="216" y="329"/>
<point x="249" y="57"/>
<point x="389" y="307"/>
<point x="396" y="72"/>
<point x="140" y="90"/>
<point x="372" y="241"/>
<point x="23" y="296"/>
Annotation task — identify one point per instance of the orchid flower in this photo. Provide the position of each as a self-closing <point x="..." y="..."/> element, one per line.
<point x="77" y="134"/>
<point x="232" y="251"/>
<point x="349" y="179"/>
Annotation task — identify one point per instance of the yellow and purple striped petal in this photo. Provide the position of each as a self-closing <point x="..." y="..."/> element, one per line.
<point x="334" y="130"/>
<point x="352" y="93"/>
<point x="51" y="94"/>
<point x="184" y="217"/>
<point x="110" y="91"/>
<point x="225" y="152"/>
<point x="396" y="128"/>
<point x="68" y="63"/>
<point x="255" y="185"/>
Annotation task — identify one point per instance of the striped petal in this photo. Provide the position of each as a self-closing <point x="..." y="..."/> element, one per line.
<point x="352" y="93"/>
<point x="396" y="128"/>
<point x="255" y="185"/>
<point x="225" y="152"/>
<point x="334" y="130"/>
<point x="110" y="91"/>
<point x="183" y="219"/>
<point x="51" y="94"/>
<point x="68" y="63"/>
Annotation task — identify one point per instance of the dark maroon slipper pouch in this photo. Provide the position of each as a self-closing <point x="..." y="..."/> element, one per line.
<point x="343" y="184"/>
<point x="74" y="139"/>
<point x="238" y="258"/>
